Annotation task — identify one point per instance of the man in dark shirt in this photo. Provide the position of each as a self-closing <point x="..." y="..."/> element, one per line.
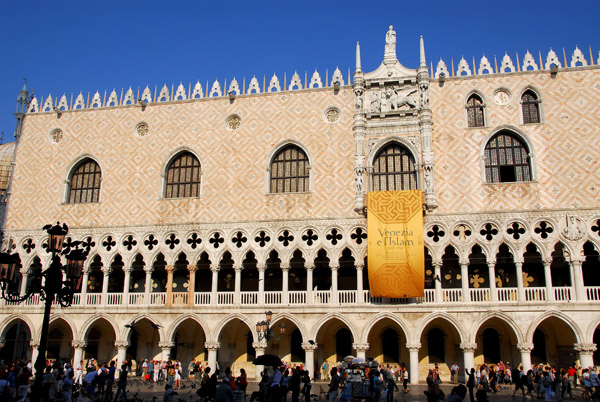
<point x="122" y="383"/>
<point x="334" y="385"/>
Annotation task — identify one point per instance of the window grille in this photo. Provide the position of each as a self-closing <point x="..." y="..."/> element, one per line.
<point x="394" y="169"/>
<point x="506" y="159"/>
<point x="85" y="183"/>
<point x="475" y="114"/>
<point x="183" y="177"/>
<point x="290" y="171"/>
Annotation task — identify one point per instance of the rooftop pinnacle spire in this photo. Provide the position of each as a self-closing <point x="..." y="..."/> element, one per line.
<point x="358" y="66"/>
<point x="422" y="60"/>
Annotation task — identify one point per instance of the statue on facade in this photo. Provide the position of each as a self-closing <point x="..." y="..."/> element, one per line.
<point x="424" y="89"/>
<point x="390" y="41"/>
<point x="358" y="102"/>
<point x="573" y="230"/>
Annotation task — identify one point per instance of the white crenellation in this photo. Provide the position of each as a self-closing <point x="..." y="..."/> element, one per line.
<point x="79" y="102"/>
<point x="215" y="90"/>
<point x="163" y="96"/>
<point x="274" y="84"/>
<point x="234" y="87"/>
<point x="33" y="106"/>
<point x="147" y="95"/>
<point x="578" y="57"/>
<point x="529" y="61"/>
<point x="485" y="67"/>
<point x="254" y="87"/>
<point x="180" y="93"/>
<point x="62" y="103"/>
<point x="296" y="82"/>
<point x="96" y="100"/>
<point x="197" y="92"/>
<point x="315" y="80"/>
<point x="337" y="77"/>
<point x="129" y="98"/>
<point x="552" y="59"/>
<point x="441" y="69"/>
<point x="507" y="64"/>
<point x="113" y="99"/>
<point x="48" y="106"/>
<point x="463" y="67"/>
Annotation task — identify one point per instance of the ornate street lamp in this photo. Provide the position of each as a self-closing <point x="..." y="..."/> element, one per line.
<point x="263" y="328"/>
<point x="57" y="282"/>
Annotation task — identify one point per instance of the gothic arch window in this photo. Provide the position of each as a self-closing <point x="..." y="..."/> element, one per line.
<point x="475" y="111"/>
<point x="530" y="106"/>
<point x="394" y="169"/>
<point x="183" y="177"/>
<point x="289" y="171"/>
<point x="84" y="185"/>
<point x="506" y="159"/>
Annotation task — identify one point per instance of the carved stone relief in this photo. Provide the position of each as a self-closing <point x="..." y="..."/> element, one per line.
<point x="391" y="99"/>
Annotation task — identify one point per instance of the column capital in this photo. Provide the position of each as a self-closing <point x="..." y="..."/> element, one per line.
<point x="261" y="266"/>
<point x="127" y="269"/>
<point x="547" y="261"/>
<point x="212" y="345"/>
<point x="215" y="267"/>
<point x="192" y="268"/>
<point x="122" y="344"/>
<point x="24" y="271"/>
<point x="309" y="265"/>
<point x="166" y="345"/>
<point x="148" y="269"/>
<point x="309" y="347"/>
<point x="78" y="343"/>
<point x="170" y="268"/>
<point x="525" y="347"/>
<point x="334" y="266"/>
<point x="437" y="264"/>
<point x="237" y="267"/>
<point x="519" y="261"/>
<point x="262" y="345"/>
<point x="363" y="347"/>
<point x="359" y="267"/>
<point x="585" y="347"/>
<point x="285" y="265"/>
<point x="413" y="347"/>
<point x="491" y="262"/>
<point x="106" y="271"/>
<point x="576" y="260"/>
<point x="468" y="346"/>
<point x="34" y="344"/>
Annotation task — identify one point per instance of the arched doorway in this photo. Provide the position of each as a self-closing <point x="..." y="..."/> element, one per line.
<point x="188" y="342"/>
<point x="100" y="342"/>
<point x="16" y="342"/>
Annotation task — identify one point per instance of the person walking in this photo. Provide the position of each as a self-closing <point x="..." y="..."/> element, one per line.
<point x="405" y="379"/>
<point x="334" y="385"/>
<point x="122" y="384"/>
<point x="454" y="369"/>
<point x="471" y="384"/>
<point x="390" y="385"/>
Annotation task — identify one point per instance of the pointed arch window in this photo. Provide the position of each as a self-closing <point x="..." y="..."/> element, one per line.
<point x="84" y="185"/>
<point x="290" y="171"/>
<point x="506" y="159"/>
<point x="530" y="105"/>
<point x="394" y="169"/>
<point x="183" y="177"/>
<point x="475" y="115"/>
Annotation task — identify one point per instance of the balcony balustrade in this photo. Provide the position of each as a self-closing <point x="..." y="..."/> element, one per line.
<point x="481" y="296"/>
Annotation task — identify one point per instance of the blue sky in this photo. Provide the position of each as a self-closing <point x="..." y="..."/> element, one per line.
<point x="72" y="46"/>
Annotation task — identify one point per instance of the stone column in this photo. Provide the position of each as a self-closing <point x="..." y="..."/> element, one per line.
<point x="334" y="284"/>
<point x="361" y="349"/>
<point x="309" y="282"/>
<point x="84" y="287"/>
<point x="213" y="292"/>
<point x="492" y="279"/>
<point x="170" y="269"/>
<point x="464" y="273"/>
<point x="437" y="273"/>
<point x="525" y="349"/>
<point x="34" y="353"/>
<point x="586" y="353"/>
<point x="468" y="356"/>
<point x="192" y="284"/>
<point x="520" y="287"/>
<point x="78" y="346"/>
<point x="105" y="280"/>
<point x="121" y="352"/>
<point x="413" y="350"/>
<point x="259" y="347"/>
<point x="148" y="284"/>
<point x="237" y="296"/>
<point x="309" y="361"/>
<point x="212" y="354"/>
<point x="166" y="349"/>
<point x="359" y="283"/>
<point x="548" y="280"/>
<point x="578" y="279"/>
<point x="24" y="278"/>
<point x="261" y="266"/>
<point x="126" y="280"/>
<point x="285" y="270"/>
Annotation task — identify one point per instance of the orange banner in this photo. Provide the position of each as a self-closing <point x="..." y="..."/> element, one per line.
<point x="395" y="246"/>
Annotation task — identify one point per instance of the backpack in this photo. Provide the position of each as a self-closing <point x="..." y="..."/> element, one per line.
<point x="546" y="382"/>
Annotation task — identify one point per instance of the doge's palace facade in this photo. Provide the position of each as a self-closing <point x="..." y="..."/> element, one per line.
<point x="204" y="206"/>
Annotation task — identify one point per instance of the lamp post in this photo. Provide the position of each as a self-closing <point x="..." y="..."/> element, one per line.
<point x="263" y="328"/>
<point x="57" y="282"/>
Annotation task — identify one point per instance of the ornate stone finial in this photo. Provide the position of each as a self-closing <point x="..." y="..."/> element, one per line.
<point x="337" y="77"/>
<point x="296" y="82"/>
<point x="463" y="67"/>
<point x="254" y="87"/>
<point x="422" y="53"/>
<point x="48" y="105"/>
<point x="315" y="80"/>
<point x="485" y="66"/>
<point x="552" y="59"/>
<point x="390" y="45"/>
<point x="147" y="95"/>
<point x="507" y="64"/>
<point x="578" y="57"/>
<point x="274" y="84"/>
<point x="197" y="92"/>
<point x="529" y="61"/>
<point x="113" y="99"/>
<point x="180" y="93"/>
<point x="63" y="105"/>
<point x="358" y="66"/>
<point x="234" y="87"/>
<point x="163" y="96"/>
<point x="441" y="69"/>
